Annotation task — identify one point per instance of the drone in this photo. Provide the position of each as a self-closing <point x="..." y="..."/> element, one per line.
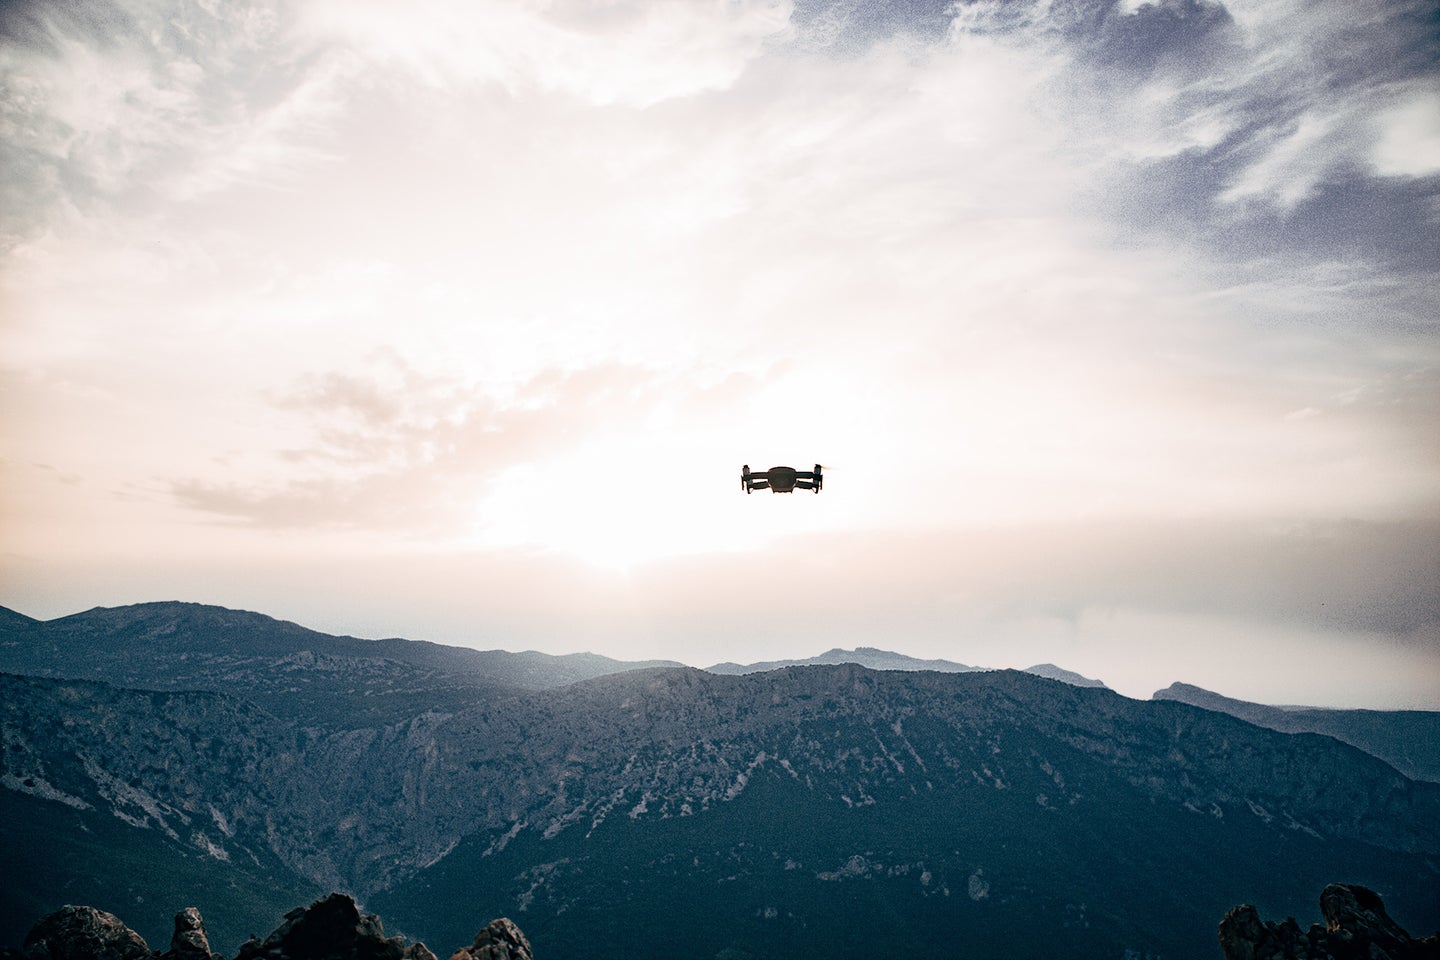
<point x="781" y="479"/>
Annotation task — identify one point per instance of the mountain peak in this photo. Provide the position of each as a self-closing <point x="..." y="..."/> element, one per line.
<point x="1052" y="672"/>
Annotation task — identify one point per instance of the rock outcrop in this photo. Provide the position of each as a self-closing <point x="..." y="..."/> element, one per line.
<point x="84" y="933"/>
<point x="1356" y="927"/>
<point x="332" y="928"/>
<point x="189" y="941"/>
<point x="501" y="940"/>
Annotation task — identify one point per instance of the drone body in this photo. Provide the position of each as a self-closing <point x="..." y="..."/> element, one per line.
<point x="781" y="479"/>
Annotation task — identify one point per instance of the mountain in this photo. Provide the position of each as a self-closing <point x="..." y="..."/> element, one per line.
<point x="807" y="811"/>
<point x="864" y="656"/>
<point x="13" y="621"/>
<point x="1408" y="740"/>
<point x="1052" y="672"/>
<point x="876" y="659"/>
<point x="127" y="799"/>
<point x="292" y="671"/>
<point x="778" y="813"/>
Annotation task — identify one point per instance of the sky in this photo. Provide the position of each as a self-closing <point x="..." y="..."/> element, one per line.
<point x="1115" y="324"/>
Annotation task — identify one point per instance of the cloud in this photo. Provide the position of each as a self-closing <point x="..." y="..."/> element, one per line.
<point x="1228" y="123"/>
<point x="1408" y="141"/>
<point x="415" y="454"/>
<point x="629" y="53"/>
<point x="116" y="107"/>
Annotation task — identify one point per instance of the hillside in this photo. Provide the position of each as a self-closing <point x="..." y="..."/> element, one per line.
<point x="780" y="811"/>
<point x="772" y="813"/>
<point x="1408" y="740"/>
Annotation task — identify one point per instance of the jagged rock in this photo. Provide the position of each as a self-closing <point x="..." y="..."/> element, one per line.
<point x="189" y="942"/>
<point x="329" y="929"/>
<point x="84" y="933"/>
<point x="1360" y="911"/>
<point x="1241" y="933"/>
<point x="1356" y="928"/>
<point x="500" y="940"/>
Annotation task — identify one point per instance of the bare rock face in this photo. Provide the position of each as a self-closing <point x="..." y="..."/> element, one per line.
<point x="84" y="933"/>
<point x="500" y="940"/>
<point x="1356" y="928"/>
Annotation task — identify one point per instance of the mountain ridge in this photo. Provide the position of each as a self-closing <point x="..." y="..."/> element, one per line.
<point x="871" y="657"/>
<point x="290" y="669"/>
<point x="1408" y="740"/>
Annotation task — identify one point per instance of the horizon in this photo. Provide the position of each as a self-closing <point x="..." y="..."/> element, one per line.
<point x="796" y="658"/>
<point x="1115" y="324"/>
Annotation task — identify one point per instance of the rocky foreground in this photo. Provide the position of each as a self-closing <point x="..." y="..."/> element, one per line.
<point x="1356" y="927"/>
<point x="329" y="929"/>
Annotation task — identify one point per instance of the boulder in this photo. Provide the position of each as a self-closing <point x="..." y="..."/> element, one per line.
<point x="84" y="933"/>
<point x="329" y="929"/>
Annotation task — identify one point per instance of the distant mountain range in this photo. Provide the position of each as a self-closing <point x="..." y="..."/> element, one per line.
<point x="876" y="659"/>
<point x="805" y="811"/>
<point x="869" y="657"/>
<point x="1408" y="740"/>
<point x="288" y="669"/>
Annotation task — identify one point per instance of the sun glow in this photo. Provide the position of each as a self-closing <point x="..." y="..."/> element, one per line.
<point x="618" y="505"/>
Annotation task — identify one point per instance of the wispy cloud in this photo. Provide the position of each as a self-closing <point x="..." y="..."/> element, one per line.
<point x="417" y="454"/>
<point x="115" y="107"/>
<point x="630" y="53"/>
<point x="1209" y="115"/>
